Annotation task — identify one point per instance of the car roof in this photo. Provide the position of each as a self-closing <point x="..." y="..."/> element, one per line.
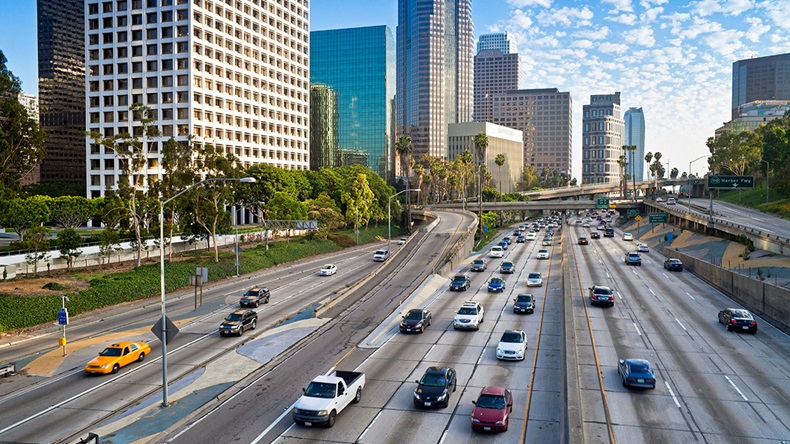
<point x="493" y="390"/>
<point x="441" y="370"/>
<point x="240" y="311"/>
<point x="470" y="304"/>
<point x="602" y="287"/>
<point x="637" y="361"/>
<point x="122" y="344"/>
<point x="416" y="310"/>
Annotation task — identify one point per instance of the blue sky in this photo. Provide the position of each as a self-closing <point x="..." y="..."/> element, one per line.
<point x="672" y="58"/>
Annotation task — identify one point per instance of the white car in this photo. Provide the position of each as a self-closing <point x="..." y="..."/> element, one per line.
<point x="628" y="237"/>
<point x="534" y="279"/>
<point x="380" y="255"/>
<point x="586" y="225"/>
<point x="659" y="199"/>
<point x="402" y="241"/>
<point x="543" y="253"/>
<point x="643" y="248"/>
<point x="671" y="201"/>
<point x="512" y="346"/>
<point x="327" y="270"/>
<point x="469" y="316"/>
<point x="531" y="236"/>
<point x="497" y="252"/>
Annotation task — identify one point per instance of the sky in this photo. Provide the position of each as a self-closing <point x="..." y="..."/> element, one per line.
<point x="672" y="58"/>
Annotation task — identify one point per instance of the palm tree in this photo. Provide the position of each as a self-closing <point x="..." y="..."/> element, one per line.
<point x="404" y="148"/>
<point x="632" y="149"/>
<point x="481" y="144"/>
<point x="500" y="160"/>
<point x="648" y="159"/>
<point x="622" y="164"/>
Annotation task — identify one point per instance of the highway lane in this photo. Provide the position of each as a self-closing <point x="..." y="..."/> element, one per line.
<point x="713" y="386"/>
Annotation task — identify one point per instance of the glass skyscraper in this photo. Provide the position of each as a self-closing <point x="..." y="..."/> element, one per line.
<point x="635" y="135"/>
<point x="762" y="78"/>
<point x="498" y="40"/>
<point x="359" y="63"/>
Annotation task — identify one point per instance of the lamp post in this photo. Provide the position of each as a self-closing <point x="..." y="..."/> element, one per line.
<point x="162" y="270"/>
<point x="689" y="178"/>
<point x="389" y="215"/>
<point x="767" y="168"/>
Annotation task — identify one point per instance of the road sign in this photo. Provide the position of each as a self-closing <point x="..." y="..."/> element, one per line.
<point x="669" y="183"/>
<point x="656" y="218"/>
<point x="602" y="203"/>
<point x="632" y="213"/>
<point x="730" y="182"/>
<point x="63" y="317"/>
<point x="638" y="218"/>
<point x="172" y="330"/>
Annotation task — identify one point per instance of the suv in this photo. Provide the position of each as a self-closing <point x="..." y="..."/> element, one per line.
<point x="478" y="265"/>
<point x="608" y="232"/>
<point x="524" y="303"/>
<point x="459" y="283"/>
<point x="380" y="255"/>
<point x="237" y="322"/>
<point x="469" y="316"/>
<point x="633" y="258"/>
<point x="601" y="295"/>
<point x="254" y="297"/>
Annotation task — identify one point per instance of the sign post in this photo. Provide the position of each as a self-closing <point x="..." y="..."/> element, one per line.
<point x="638" y="219"/>
<point x="63" y="319"/>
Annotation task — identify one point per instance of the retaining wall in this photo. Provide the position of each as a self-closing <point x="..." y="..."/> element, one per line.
<point x="459" y="252"/>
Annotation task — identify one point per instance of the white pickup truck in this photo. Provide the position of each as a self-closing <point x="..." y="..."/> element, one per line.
<point x="326" y="396"/>
<point x="381" y="255"/>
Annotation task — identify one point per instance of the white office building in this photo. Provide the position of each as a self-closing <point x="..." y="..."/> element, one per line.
<point x="602" y="139"/>
<point x="233" y="74"/>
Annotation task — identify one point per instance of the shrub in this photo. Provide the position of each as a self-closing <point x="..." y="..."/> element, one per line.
<point x="53" y="286"/>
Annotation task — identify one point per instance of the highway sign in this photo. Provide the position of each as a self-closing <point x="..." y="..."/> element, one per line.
<point x="730" y="182"/>
<point x="63" y="317"/>
<point x="602" y="203"/>
<point x="632" y="213"/>
<point x="638" y="218"/>
<point x="669" y="183"/>
<point x="656" y="218"/>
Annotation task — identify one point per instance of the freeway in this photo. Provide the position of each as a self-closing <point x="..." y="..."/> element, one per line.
<point x="747" y="217"/>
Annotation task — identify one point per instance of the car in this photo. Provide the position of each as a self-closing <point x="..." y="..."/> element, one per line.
<point x="671" y="201"/>
<point x="524" y="303"/>
<point x="586" y="225"/>
<point x="601" y="295"/>
<point x="636" y="373"/>
<point x="628" y="237"/>
<point x="460" y="283"/>
<point x="237" y="322"/>
<point x="601" y="227"/>
<point x="534" y="279"/>
<point x="503" y="245"/>
<point x="117" y="355"/>
<point x="380" y="255"/>
<point x="633" y="258"/>
<point x="583" y="240"/>
<point x="512" y="345"/>
<point x="578" y="221"/>
<point x="543" y="253"/>
<point x="659" y="199"/>
<point x="643" y="248"/>
<point x="531" y="236"/>
<point x="327" y="270"/>
<point x="496" y="285"/>
<point x="478" y="265"/>
<point x="492" y="409"/>
<point x="402" y="241"/>
<point x="435" y="387"/>
<point x="507" y="267"/>
<point x="546" y="242"/>
<point x="507" y="239"/>
<point x="254" y="297"/>
<point x="595" y="235"/>
<point x="469" y="316"/>
<point x="738" y="319"/>
<point x="496" y="252"/>
<point x="516" y="233"/>
<point x="416" y="320"/>
<point x="521" y="239"/>
<point x="673" y="265"/>
<point x="609" y="232"/>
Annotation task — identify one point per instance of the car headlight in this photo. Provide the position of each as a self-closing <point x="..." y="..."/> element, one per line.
<point x="419" y="324"/>
<point x="442" y="396"/>
<point x="105" y="366"/>
<point x="500" y="422"/>
<point x="499" y="350"/>
<point x="475" y="420"/>
<point x="323" y="413"/>
<point x="297" y="411"/>
<point x="417" y="394"/>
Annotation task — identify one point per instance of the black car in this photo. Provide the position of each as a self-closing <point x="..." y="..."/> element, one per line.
<point x="673" y="265"/>
<point x="254" y="297"/>
<point x="507" y="267"/>
<point x="435" y="387"/>
<point x="460" y="283"/>
<point x="633" y="258"/>
<point x="478" y="265"/>
<point x="521" y="240"/>
<point x="609" y="232"/>
<point x="601" y="295"/>
<point x="595" y="235"/>
<point x="737" y="319"/>
<point x="583" y="240"/>
<point x="416" y="320"/>
<point x="507" y="239"/>
<point x="524" y="303"/>
<point x="237" y="322"/>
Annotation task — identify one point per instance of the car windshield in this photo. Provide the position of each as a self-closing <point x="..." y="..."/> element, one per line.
<point x="326" y="267"/>
<point x="251" y="293"/>
<point x="639" y="368"/>
<point x="459" y="279"/>
<point x="433" y="380"/>
<point x="543" y="251"/>
<point x="233" y="317"/>
<point x="414" y="315"/>
<point x="511" y="336"/>
<point x="491" y="402"/>
<point x="534" y="276"/>
<point x="380" y="252"/>
<point x="603" y="291"/>
<point x="467" y="311"/>
<point x="111" y="351"/>
<point x="741" y="314"/>
<point x="496" y="281"/>
<point x="507" y="264"/>
<point x="320" y="390"/>
<point x="478" y="262"/>
<point x="674" y="261"/>
<point x="523" y="298"/>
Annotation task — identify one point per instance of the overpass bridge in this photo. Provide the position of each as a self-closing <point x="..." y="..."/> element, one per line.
<point x="596" y="189"/>
<point x="539" y="205"/>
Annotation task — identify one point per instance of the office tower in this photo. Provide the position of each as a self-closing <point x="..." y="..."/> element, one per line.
<point x="762" y="78"/>
<point x="61" y="89"/>
<point x="498" y="40"/>
<point x="545" y="117"/>
<point x="753" y="114"/>
<point x="634" y="121"/>
<point x="435" y="51"/>
<point x="323" y="127"/>
<point x="30" y="102"/>
<point x="501" y="140"/>
<point x="602" y="139"/>
<point x="234" y="75"/>
<point x="359" y="63"/>
<point x="495" y="73"/>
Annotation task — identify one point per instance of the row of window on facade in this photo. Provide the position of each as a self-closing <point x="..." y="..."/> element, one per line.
<point x="597" y="112"/>
<point x="123" y="5"/>
<point x="598" y="168"/>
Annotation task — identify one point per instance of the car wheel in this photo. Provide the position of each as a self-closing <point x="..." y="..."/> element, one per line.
<point x="330" y="422"/>
<point x="256" y="304"/>
<point x="624" y="383"/>
<point x="358" y="396"/>
<point x="727" y="326"/>
<point x="241" y="330"/>
<point x="267" y="300"/>
<point x="254" y="324"/>
<point x="115" y="368"/>
<point x="141" y="357"/>
<point x="719" y="317"/>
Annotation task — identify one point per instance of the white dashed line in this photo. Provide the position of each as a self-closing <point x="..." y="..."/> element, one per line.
<point x="736" y="388"/>
<point x="678" y="321"/>
<point x="370" y="425"/>
<point x="674" y="398"/>
<point x="619" y="295"/>
<point x="637" y="329"/>
<point x="689" y="295"/>
<point x="651" y="291"/>
<point x="665" y="275"/>
<point x="480" y="358"/>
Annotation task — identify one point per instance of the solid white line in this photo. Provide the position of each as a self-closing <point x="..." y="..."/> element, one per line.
<point x="480" y="358"/>
<point x="736" y="388"/>
<point x="651" y="291"/>
<point x="271" y="426"/>
<point x="678" y="321"/>
<point x="444" y="435"/>
<point x="689" y="295"/>
<point x="369" y="425"/>
<point x="637" y="329"/>
<point x="672" y="393"/>
<point x="607" y="275"/>
<point x="665" y="275"/>
<point x="619" y="295"/>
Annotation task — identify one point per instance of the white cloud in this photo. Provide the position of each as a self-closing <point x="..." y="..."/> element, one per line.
<point x="619" y="5"/>
<point x="617" y="48"/>
<point x="651" y="14"/>
<point x="700" y="26"/>
<point x="528" y="3"/>
<point x="548" y="41"/>
<point x="725" y="42"/>
<point x="521" y="20"/>
<point x="757" y="29"/>
<point x="584" y="44"/>
<point x="592" y="34"/>
<point x="641" y="36"/>
<point x="727" y="7"/>
<point x="649" y="3"/>
<point x="778" y="12"/>
<point x="626" y="19"/>
<point x="566" y="16"/>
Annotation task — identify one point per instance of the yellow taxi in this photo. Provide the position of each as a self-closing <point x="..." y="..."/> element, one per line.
<point x="116" y="356"/>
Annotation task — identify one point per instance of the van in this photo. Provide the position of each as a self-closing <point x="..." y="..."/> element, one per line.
<point x="609" y="232"/>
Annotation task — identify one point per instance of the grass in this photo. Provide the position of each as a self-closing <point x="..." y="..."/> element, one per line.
<point x="778" y="204"/>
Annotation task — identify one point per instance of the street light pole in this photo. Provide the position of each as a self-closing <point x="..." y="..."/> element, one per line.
<point x="689" y="178"/>
<point x="162" y="270"/>
<point x="389" y="215"/>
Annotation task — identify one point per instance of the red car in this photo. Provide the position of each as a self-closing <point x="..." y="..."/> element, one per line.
<point x="492" y="409"/>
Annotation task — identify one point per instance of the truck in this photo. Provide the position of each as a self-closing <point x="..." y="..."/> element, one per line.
<point x="380" y="255"/>
<point x="326" y="396"/>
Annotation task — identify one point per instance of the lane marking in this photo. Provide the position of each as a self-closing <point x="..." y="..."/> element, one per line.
<point x="678" y="321"/>
<point x="674" y="398"/>
<point x="619" y="295"/>
<point x="271" y="426"/>
<point x="637" y="329"/>
<point x="665" y="275"/>
<point x="651" y="291"/>
<point x="736" y="388"/>
<point x="689" y="295"/>
<point x="370" y="425"/>
<point x="480" y="358"/>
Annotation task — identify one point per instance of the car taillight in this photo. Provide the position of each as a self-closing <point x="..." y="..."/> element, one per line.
<point x="754" y="322"/>
<point x="733" y="321"/>
<point x="611" y="298"/>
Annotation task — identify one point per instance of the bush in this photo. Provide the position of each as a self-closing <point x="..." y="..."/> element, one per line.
<point x="53" y="286"/>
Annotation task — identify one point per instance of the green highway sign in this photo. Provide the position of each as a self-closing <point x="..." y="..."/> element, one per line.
<point x="730" y="182"/>
<point x="602" y="203"/>
<point x="657" y="218"/>
<point x="669" y="182"/>
<point x="632" y="213"/>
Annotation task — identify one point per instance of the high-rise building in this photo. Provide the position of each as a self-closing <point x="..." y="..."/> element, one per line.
<point x="359" y="63"/>
<point x="435" y="51"/>
<point x="545" y="117"/>
<point x="498" y="40"/>
<point x="232" y="74"/>
<point x="495" y="73"/>
<point x="61" y="89"/>
<point x="501" y="140"/>
<point x="30" y="102"/>
<point x="634" y="121"/>
<point x="762" y="78"/>
<point x="602" y="139"/>
<point x="753" y="114"/>
<point x="323" y="127"/>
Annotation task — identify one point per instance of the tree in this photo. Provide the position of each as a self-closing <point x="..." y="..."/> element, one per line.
<point x="621" y="162"/>
<point x="735" y="152"/>
<point x="359" y="200"/>
<point x="403" y="148"/>
<point x="71" y="211"/>
<point x="632" y="149"/>
<point x="648" y="159"/>
<point x="324" y="210"/>
<point x="481" y="145"/>
<point x="500" y="160"/>
<point x="178" y="174"/>
<point x="69" y="243"/>
<point x="110" y="242"/>
<point x="283" y="206"/>
<point x="37" y="241"/>
<point x="24" y="214"/>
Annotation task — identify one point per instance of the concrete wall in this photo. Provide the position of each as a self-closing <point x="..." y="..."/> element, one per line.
<point x="769" y="301"/>
<point x="460" y="250"/>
